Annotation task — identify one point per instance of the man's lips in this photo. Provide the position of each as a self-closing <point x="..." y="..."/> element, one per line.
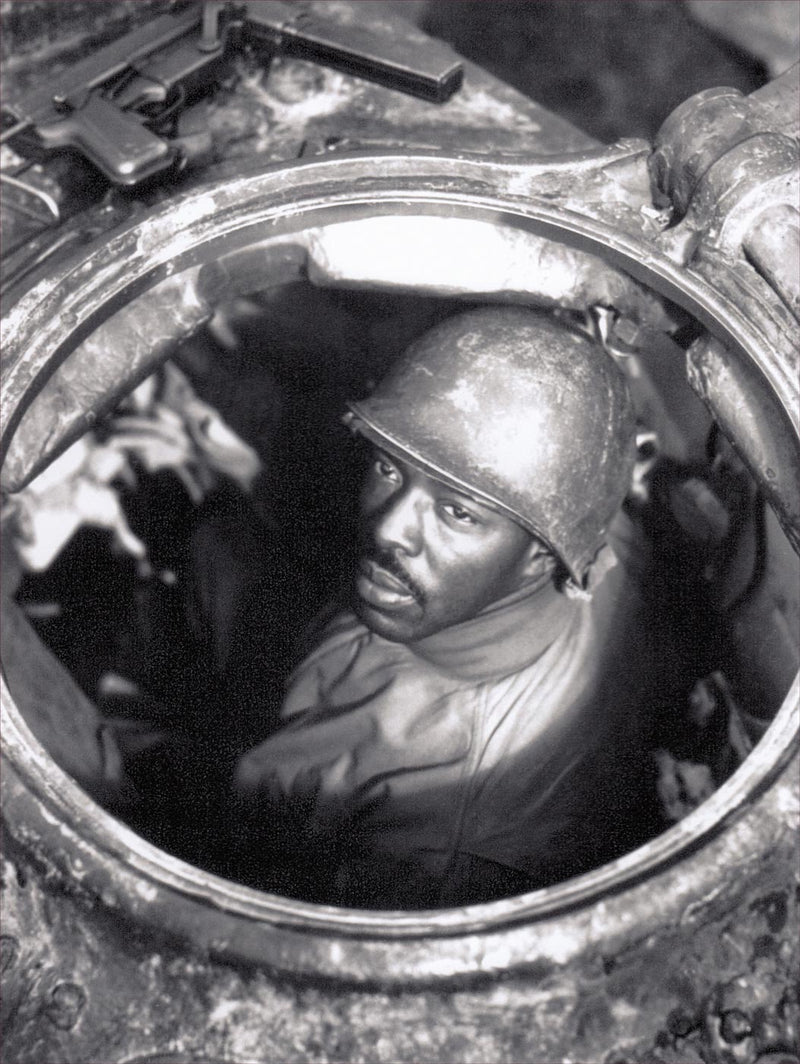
<point x="382" y="577"/>
<point x="379" y="587"/>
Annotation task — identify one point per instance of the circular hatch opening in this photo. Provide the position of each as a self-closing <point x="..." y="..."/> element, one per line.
<point x="333" y="244"/>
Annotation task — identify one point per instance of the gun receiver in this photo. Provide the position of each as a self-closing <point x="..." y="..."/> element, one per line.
<point x="76" y="113"/>
<point x="104" y="106"/>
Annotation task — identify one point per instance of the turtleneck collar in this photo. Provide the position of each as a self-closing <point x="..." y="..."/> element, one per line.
<point x="505" y="637"/>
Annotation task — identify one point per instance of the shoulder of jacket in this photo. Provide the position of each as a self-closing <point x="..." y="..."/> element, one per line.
<point x="343" y="631"/>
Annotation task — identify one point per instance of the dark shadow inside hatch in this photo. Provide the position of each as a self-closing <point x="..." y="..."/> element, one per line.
<point x="184" y="657"/>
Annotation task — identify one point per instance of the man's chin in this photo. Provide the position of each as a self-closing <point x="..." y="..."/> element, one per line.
<point x="391" y="626"/>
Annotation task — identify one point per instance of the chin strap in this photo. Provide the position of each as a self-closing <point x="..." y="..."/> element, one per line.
<point x="604" y="561"/>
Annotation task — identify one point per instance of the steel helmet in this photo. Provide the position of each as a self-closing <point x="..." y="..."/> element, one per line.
<point x="519" y="411"/>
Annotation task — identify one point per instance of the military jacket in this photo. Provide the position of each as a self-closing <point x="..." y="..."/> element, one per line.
<point x="496" y="756"/>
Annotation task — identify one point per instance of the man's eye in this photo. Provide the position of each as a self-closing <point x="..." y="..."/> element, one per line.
<point x="386" y="470"/>
<point x="459" y="514"/>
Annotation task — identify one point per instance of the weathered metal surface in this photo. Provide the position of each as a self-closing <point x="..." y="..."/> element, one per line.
<point x="737" y="192"/>
<point x="681" y="952"/>
<point x="723" y="159"/>
<point x="558" y="938"/>
<point x="293" y="109"/>
<point x="608" y="185"/>
<point x="772" y="245"/>
<point x="732" y="391"/>
<point x="779" y="101"/>
<point x="88" y="976"/>
<point x="232" y="214"/>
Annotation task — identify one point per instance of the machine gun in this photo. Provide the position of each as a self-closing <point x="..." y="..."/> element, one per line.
<point x="113" y="106"/>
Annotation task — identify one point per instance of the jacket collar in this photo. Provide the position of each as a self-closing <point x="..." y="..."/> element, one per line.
<point x="505" y="637"/>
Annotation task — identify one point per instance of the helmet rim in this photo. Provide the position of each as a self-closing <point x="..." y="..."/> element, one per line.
<point x="519" y="411"/>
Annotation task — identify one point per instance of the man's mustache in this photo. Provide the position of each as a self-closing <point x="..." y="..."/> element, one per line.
<point x="388" y="561"/>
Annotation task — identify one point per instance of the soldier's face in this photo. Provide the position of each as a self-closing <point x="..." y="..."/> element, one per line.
<point x="432" y="557"/>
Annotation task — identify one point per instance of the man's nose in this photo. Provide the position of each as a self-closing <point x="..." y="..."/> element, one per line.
<point x="398" y="523"/>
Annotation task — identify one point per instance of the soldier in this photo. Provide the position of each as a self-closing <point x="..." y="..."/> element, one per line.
<point x="472" y="726"/>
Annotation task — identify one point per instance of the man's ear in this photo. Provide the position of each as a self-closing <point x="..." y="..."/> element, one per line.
<point x="539" y="560"/>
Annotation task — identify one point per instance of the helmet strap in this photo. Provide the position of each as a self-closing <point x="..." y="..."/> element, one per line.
<point x="603" y="562"/>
